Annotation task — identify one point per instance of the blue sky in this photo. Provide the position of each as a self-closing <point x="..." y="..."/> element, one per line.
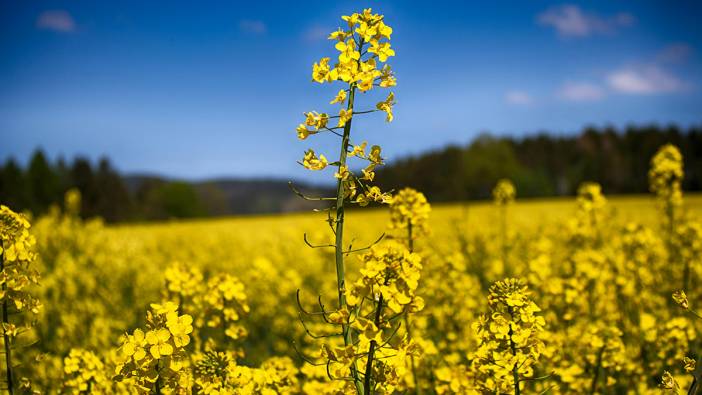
<point x="205" y="89"/>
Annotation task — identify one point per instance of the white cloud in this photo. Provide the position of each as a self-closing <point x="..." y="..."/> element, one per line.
<point x="252" y="26"/>
<point x="644" y="80"/>
<point x="674" y="53"/>
<point x="316" y="33"/>
<point x="570" y="21"/>
<point x="518" y="97"/>
<point x="56" y="20"/>
<point x="580" y="91"/>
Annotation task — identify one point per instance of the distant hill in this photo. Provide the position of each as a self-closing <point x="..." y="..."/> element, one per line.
<point x="228" y="196"/>
<point x="544" y="164"/>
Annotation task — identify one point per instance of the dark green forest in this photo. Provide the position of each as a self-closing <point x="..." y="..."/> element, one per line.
<point x="544" y="164"/>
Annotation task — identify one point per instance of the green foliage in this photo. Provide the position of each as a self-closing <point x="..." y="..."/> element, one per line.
<point x="546" y="164"/>
<point x="540" y="165"/>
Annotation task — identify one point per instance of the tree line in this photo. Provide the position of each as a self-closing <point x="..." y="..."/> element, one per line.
<point x="104" y="192"/>
<point x="540" y="165"/>
<point x="545" y="164"/>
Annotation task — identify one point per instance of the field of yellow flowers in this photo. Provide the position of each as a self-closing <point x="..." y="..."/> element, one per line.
<point x="600" y="274"/>
<point x="572" y="296"/>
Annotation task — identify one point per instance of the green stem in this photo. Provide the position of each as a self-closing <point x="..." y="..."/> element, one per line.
<point x="513" y="348"/>
<point x="371" y="350"/>
<point x="339" y="247"/>
<point x="157" y="385"/>
<point x="593" y="386"/>
<point x="697" y="374"/>
<point x="5" y="321"/>
<point x="410" y="243"/>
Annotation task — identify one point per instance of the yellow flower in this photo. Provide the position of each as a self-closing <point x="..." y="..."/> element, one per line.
<point x="311" y="162"/>
<point x="410" y="207"/>
<point x="158" y="339"/>
<point x="344" y="116"/>
<point x="386" y="106"/>
<point x="383" y="51"/>
<point x="316" y="120"/>
<point x="180" y="328"/>
<point x="352" y="19"/>
<point x="367" y="31"/>
<point x="689" y="364"/>
<point x="343" y="173"/>
<point x="320" y="71"/>
<point x="384" y="30"/>
<point x="359" y="150"/>
<point x="134" y="345"/>
<point x="165" y="308"/>
<point x="338" y="35"/>
<point x="347" y="51"/>
<point x="374" y="155"/>
<point x="368" y="331"/>
<point x="504" y="192"/>
<point x="303" y="132"/>
<point x="340" y="316"/>
<point x="681" y="299"/>
<point x="668" y="382"/>
<point x="10" y="330"/>
<point x="368" y="173"/>
<point x="340" y="97"/>
<point x="387" y="78"/>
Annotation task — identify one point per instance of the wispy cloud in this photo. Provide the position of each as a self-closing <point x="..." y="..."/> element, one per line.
<point x="580" y="92"/>
<point x="570" y="21"/>
<point x="56" y="20"/>
<point x="252" y="26"/>
<point x="649" y="79"/>
<point x="674" y="53"/>
<point x="316" y="33"/>
<point x="517" y="97"/>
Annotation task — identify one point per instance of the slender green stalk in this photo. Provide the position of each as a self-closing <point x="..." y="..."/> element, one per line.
<point x="410" y="241"/>
<point x="339" y="246"/>
<point x="90" y="387"/>
<point x="513" y="348"/>
<point x="697" y="376"/>
<point x="157" y="385"/>
<point x="417" y="388"/>
<point x="593" y="386"/>
<point x="371" y="349"/>
<point x="5" y="321"/>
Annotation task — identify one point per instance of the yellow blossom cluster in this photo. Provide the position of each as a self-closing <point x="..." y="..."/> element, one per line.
<point x="666" y="174"/>
<point x="410" y="210"/>
<point x="84" y="373"/>
<point x="155" y="359"/>
<point x="361" y="47"/>
<point x="509" y="339"/>
<point x="391" y="272"/>
<point x="224" y="303"/>
<point x="504" y="192"/>
<point x="608" y="302"/>
<point x="17" y="274"/>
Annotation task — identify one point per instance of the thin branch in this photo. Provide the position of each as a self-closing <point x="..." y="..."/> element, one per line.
<point x="312" y="335"/>
<point x="315" y="246"/>
<point x="299" y="306"/>
<point x="349" y="251"/>
<point x="303" y="357"/>
<point x="300" y="194"/>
